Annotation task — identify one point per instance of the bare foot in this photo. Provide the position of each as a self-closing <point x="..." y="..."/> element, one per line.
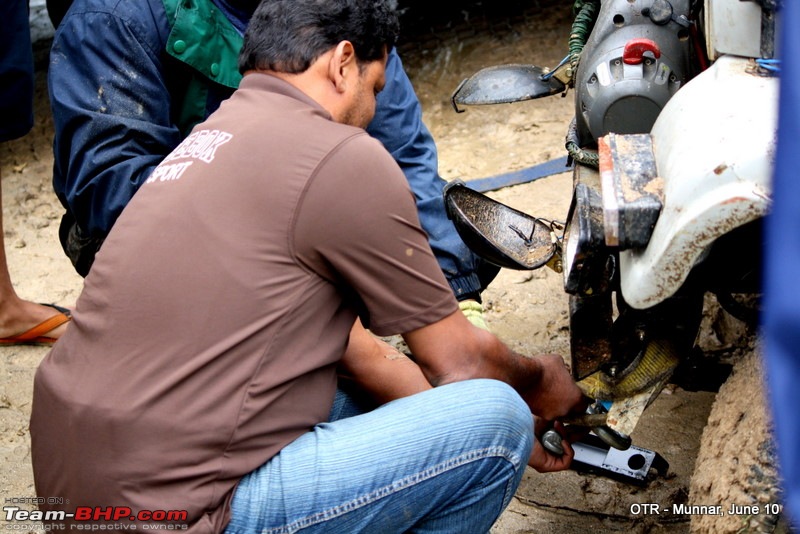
<point x="18" y="316"/>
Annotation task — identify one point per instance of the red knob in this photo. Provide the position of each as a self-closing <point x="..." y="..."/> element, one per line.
<point x="635" y="49"/>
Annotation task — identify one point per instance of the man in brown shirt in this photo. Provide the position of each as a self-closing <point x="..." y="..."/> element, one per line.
<point x="197" y="382"/>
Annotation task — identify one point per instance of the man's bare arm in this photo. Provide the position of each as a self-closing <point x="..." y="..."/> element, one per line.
<point x="452" y="349"/>
<point x="378" y="369"/>
<point x="386" y="374"/>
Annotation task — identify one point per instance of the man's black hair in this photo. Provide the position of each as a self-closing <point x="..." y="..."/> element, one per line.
<point x="289" y="35"/>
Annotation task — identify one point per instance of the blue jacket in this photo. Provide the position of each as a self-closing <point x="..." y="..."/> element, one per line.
<point x="16" y="70"/>
<point x="127" y="82"/>
<point x="782" y="256"/>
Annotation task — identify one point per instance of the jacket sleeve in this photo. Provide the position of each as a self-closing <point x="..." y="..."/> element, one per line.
<point x="110" y="106"/>
<point x="16" y="70"/>
<point x="399" y="127"/>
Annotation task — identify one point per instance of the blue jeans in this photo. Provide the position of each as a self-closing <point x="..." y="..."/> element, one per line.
<point x="445" y="460"/>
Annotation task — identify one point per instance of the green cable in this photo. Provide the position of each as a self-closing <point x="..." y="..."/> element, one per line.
<point x="582" y="155"/>
<point x="586" y="16"/>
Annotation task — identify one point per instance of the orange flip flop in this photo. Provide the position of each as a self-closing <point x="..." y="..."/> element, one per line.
<point x="36" y="335"/>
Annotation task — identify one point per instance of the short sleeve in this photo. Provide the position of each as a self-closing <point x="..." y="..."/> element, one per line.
<point x="357" y="225"/>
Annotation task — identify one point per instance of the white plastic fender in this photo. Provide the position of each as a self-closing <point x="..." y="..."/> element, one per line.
<point x="714" y="146"/>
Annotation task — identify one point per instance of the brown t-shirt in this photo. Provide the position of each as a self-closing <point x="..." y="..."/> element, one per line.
<point x="209" y="329"/>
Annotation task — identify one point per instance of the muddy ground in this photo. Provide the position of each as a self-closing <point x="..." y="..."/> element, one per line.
<point x="440" y="47"/>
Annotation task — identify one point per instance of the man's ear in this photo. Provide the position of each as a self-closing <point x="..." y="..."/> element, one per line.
<point x="343" y="65"/>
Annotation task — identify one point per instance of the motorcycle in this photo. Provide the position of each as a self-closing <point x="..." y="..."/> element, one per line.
<point x="671" y="151"/>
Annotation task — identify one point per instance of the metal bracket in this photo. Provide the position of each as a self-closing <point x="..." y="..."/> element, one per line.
<point x="631" y="188"/>
<point x="631" y="466"/>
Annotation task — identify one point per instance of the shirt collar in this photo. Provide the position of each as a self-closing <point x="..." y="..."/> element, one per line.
<point x="262" y="81"/>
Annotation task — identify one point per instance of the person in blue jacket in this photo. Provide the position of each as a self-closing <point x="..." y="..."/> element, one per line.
<point x="781" y="318"/>
<point x="128" y="81"/>
<point x="21" y="322"/>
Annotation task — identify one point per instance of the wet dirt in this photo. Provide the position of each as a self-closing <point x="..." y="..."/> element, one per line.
<point x="440" y="46"/>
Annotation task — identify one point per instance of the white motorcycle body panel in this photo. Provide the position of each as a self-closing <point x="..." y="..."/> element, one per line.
<point x="714" y="146"/>
<point x="732" y="27"/>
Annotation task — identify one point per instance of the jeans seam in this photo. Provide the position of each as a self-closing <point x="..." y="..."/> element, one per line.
<point x="385" y="491"/>
<point x="511" y="487"/>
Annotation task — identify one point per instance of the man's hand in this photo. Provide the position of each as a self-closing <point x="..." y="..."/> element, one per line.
<point x="452" y="349"/>
<point x="555" y="393"/>
<point x="547" y="462"/>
